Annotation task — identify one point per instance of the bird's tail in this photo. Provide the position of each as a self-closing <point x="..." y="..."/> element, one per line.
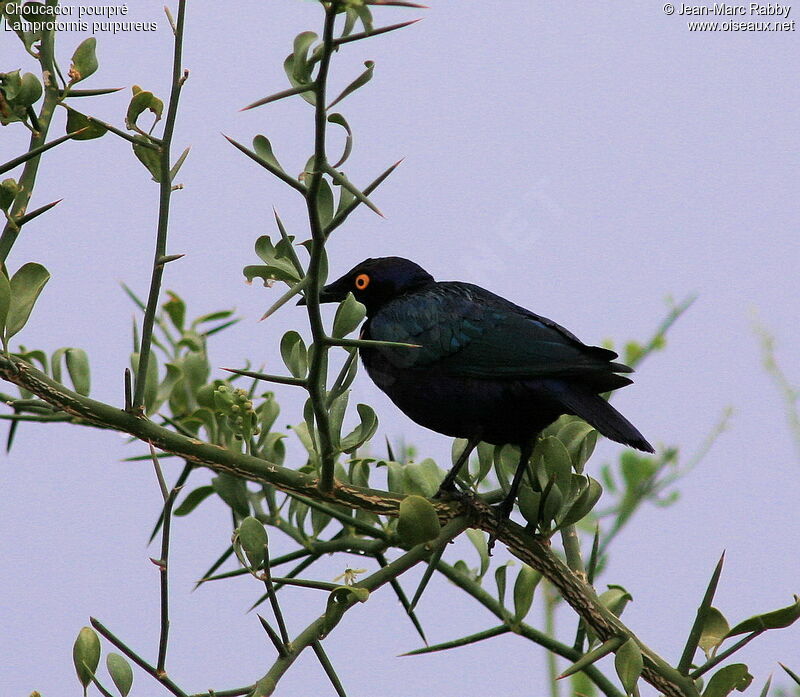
<point x="596" y="411"/>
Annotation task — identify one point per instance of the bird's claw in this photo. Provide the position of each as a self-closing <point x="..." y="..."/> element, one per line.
<point x="453" y="494"/>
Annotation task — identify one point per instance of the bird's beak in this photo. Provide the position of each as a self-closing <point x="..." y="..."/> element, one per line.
<point x="332" y="293"/>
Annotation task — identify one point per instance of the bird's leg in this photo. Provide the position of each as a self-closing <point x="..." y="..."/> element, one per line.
<point x="507" y="504"/>
<point x="449" y="482"/>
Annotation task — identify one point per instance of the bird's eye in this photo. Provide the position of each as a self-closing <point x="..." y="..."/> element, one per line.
<point x="362" y="281"/>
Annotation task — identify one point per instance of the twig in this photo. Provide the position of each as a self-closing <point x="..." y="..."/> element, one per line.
<point x="722" y="655"/>
<point x="27" y="179"/>
<point x="162" y="563"/>
<point x="318" y="367"/>
<point x="165" y="193"/>
<point x="323" y="625"/>
<point x="538" y="637"/>
<point x="138" y="660"/>
<point x="327" y="666"/>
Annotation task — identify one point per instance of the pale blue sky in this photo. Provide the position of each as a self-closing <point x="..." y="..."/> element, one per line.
<point x="584" y="160"/>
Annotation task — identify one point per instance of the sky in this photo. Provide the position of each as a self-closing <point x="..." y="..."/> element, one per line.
<point x="586" y="161"/>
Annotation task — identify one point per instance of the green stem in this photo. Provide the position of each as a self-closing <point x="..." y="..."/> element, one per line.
<point x="138" y="660"/>
<point x="545" y="640"/>
<point x="572" y="550"/>
<point x="28" y="178"/>
<point x="327" y="666"/>
<point x="163" y="569"/>
<point x="708" y="665"/>
<point x="33" y="152"/>
<point x="345" y="519"/>
<point x="324" y="624"/>
<point x="550" y="630"/>
<point x="165" y="193"/>
<point x="692" y="641"/>
<point x="318" y="369"/>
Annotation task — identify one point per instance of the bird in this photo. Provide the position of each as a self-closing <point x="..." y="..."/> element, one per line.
<point x="481" y="368"/>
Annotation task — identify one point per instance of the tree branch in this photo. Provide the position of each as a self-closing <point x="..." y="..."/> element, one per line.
<point x="533" y="550"/>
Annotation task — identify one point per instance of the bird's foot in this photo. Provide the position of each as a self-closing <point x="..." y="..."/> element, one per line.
<point x="503" y="514"/>
<point x="453" y="494"/>
<point x="449" y="490"/>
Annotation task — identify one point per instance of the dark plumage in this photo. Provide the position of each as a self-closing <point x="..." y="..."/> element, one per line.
<point x="487" y="370"/>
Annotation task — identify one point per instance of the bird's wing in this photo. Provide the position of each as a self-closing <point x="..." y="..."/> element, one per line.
<point x="464" y="330"/>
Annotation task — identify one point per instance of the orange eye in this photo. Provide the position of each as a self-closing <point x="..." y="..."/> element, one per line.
<point x="362" y="281"/>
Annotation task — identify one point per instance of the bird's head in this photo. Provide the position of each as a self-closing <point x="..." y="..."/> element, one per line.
<point x="374" y="282"/>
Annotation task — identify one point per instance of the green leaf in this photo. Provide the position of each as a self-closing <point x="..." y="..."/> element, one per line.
<point x="141" y="101"/>
<point x="728" y="679"/>
<point x="529" y="504"/>
<point x="422" y="478"/>
<point x="8" y="192"/>
<point x="86" y="655"/>
<point x="84" y="60"/>
<point x="360" y="81"/>
<point x="418" y="521"/>
<point x="176" y="310"/>
<point x="26" y="285"/>
<point x="607" y="647"/>
<point x="294" y="354"/>
<point x="193" y="499"/>
<point x="715" y="629"/>
<point x="301" y="69"/>
<point x="524" y="587"/>
<point x="346" y="197"/>
<point x="150" y="158"/>
<point x="196" y="369"/>
<point x="348" y="145"/>
<point x="77" y="121"/>
<point x="78" y="368"/>
<point x="339" y="600"/>
<point x="253" y="539"/>
<point x="551" y="459"/>
<point x="336" y="415"/>
<point x="267" y="411"/>
<point x="579" y="438"/>
<point x="615" y="599"/>
<point x="479" y="542"/>
<point x="363" y="432"/>
<point x="319" y="521"/>
<point x="121" y="673"/>
<point x="5" y="301"/>
<point x="629" y="663"/>
<point x="279" y="266"/>
<point x="349" y="315"/>
<point x="550" y="507"/>
<point x="324" y="202"/>
<point x="584" y="503"/>
<point x="151" y="381"/>
<point x="232" y="491"/>
<point x="485" y="451"/>
<point x="30" y="90"/>
<point x="500" y="574"/>
<point x="11" y="83"/>
<point x="365" y="15"/>
<point x="777" y="619"/>
<point x="263" y="148"/>
<point x="289" y="68"/>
